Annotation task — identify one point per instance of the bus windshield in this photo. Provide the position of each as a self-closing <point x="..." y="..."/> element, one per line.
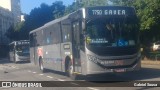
<point x="22" y="49"/>
<point x="113" y="32"/>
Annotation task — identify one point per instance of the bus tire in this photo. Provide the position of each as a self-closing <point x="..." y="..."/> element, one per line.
<point x="41" y="65"/>
<point x="70" y="71"/>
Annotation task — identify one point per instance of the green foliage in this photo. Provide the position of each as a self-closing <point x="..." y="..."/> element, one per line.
<point x="12" y="34"/>
<point x="58" y="9"/>
<point x="123" y="2"/>
<point x="19" y="26"/>
<point x="94" y="2"/>
<point x="37" y="17"/>
<point x="148" y="12"/>
<point x="84" y="3"/>
<point x="45" y="13"/>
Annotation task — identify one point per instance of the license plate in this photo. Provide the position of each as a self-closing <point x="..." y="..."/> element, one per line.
<point x="119" y="70"/>
<point x="119" y="62"/>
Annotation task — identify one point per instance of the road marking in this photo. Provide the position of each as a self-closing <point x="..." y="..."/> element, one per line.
<point x="92" y="88"/>
<point x="75" y="84"/>
<point x="60" y="80"/>
<point x="34" y="72"/>
<point x="49" y="77"/>
<point x="13" y="67"/>
<point x="41" y="74"/>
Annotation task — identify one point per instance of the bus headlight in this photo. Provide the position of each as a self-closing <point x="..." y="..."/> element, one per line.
<point x="92" y="58"/>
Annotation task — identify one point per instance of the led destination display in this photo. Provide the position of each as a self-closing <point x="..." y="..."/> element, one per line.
<point x="110" y="11"/>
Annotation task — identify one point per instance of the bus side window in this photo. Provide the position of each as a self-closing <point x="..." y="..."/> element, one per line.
<point x="66" y="32"/>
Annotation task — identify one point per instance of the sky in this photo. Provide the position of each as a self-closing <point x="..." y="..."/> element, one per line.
<point x="28" y="5"/>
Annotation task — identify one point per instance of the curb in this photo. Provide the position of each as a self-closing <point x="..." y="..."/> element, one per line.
<point x="150" y="62"/>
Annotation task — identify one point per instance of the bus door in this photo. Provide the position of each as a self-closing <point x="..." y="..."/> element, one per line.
<point x="76" y="46"/>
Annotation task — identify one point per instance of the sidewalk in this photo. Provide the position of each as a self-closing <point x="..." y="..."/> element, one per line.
<point x="150" y="62"/>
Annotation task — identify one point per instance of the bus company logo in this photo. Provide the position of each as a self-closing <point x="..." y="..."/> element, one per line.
<point x="6" y="84"/>
<point x="119" y="62"/>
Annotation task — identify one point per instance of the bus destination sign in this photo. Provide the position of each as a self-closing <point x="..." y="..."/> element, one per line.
<point x="109" y="11"/>
<point x="22" y="43"/>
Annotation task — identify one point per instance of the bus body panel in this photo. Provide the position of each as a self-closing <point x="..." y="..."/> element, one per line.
<point x="105" y="64"/>
<point x="83" y="62"/>
<point x="34" y="56"/>
<point x="52" y="57"/>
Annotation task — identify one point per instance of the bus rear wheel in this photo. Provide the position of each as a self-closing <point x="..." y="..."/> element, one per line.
<point x="70" y="71"/>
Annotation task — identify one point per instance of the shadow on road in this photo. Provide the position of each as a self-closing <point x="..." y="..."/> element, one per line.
<point x="55" y="72"/>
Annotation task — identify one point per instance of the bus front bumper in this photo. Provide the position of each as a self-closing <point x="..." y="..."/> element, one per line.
<point x="135" y="67"/>
<point x="22" y="58"/>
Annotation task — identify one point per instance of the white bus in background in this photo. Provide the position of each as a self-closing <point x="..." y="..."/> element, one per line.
<point x="19" y="51"/>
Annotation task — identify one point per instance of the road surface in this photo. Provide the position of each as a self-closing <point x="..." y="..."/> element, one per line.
<point x="28" y="72"/>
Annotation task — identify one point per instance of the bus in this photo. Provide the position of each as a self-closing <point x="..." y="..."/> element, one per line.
<point x="89" y="41"/>
<point x="19" y="51"/>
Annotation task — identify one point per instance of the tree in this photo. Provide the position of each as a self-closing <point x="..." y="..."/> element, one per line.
<point x="58" y="8"/>
<point x="85" y="3"/>
<point x="94" y="3"/>
<point x="123" y="2"/>
<point x="39" y="16"/>
<point x="12" y="34"/>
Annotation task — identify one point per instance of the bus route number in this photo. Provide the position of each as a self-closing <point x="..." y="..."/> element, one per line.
<point x="97" y="12"/>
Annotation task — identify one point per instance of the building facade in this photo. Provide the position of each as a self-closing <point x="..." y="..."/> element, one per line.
<point x="10" y="14"/>
<point x="6" y="20"/>
<point x="16" y="10"/>
<point x="13" y="6"/>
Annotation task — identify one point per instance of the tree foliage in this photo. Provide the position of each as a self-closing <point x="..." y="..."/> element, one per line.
<point x="45" y="13"/>
<point x="85" y="3"/>
<point x="123" y="2"/>
<point x="94" y="2"/>
<point x="37" y="17"/>
<point x="12" y="34"/>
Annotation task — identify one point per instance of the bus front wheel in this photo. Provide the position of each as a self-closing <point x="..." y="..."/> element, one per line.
<point x="70" y="71"/>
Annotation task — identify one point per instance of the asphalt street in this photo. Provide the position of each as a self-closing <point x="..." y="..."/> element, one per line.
<point x="25" y="71"/>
